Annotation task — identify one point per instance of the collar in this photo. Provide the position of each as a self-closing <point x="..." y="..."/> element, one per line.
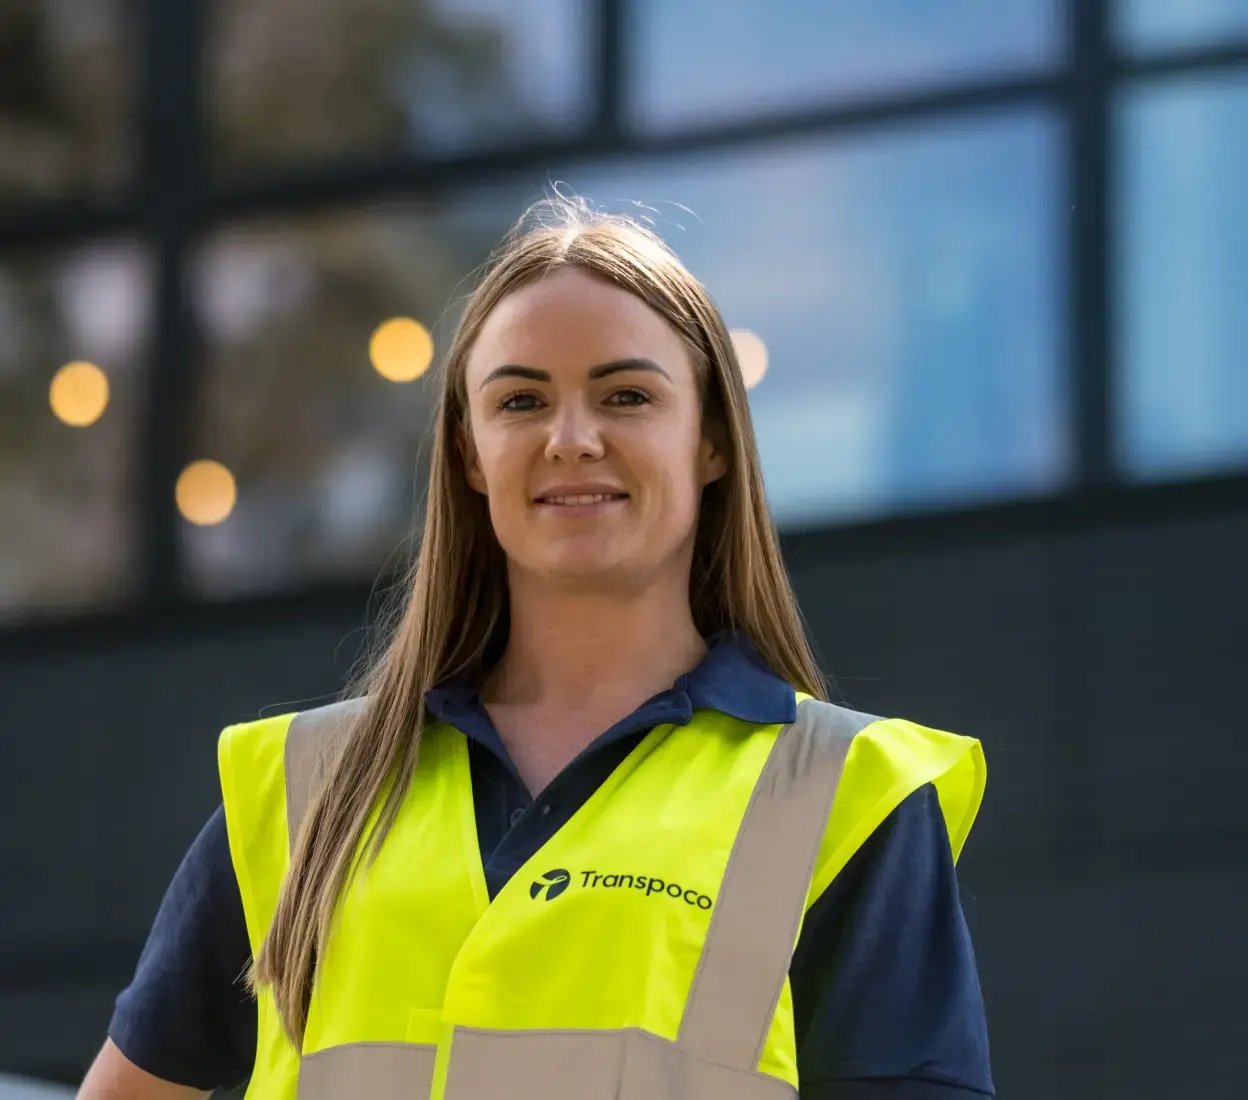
<point x="731" y="678"/>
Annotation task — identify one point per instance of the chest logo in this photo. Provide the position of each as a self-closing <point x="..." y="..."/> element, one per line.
<point x="550" y="885"/>
<point x="553" y="883"/>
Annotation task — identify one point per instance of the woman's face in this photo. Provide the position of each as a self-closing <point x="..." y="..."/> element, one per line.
<point x="586" y="434"/>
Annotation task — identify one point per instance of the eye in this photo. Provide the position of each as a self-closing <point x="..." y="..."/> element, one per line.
<point x="634" y="396"/>
<point x="509" y="403"/>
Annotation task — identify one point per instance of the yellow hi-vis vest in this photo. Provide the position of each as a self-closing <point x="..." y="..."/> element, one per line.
<point x="641" y="954"/>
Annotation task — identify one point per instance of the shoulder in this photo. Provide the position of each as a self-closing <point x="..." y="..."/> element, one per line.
<point x="885" y="986"/>
<point x="886" y="760"/>
<point x="257" y="746"/>
<point x="243" y="745"/>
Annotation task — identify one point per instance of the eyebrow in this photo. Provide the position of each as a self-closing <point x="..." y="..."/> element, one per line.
<point x="514" y="370"/>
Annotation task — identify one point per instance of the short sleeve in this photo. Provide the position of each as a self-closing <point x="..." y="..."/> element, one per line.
<point x="187" y="1016"/>
<point x="886" y="996"/>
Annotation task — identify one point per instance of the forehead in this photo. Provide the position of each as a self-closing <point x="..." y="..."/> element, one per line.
<point x="575" y="320"/>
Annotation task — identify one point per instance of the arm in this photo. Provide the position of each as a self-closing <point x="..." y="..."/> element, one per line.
<point x="113" y="1076"/>
<point x="186" y="1023"/>
<point x="886" y="996"/>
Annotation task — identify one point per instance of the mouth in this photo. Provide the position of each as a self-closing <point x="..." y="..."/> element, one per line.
<point x="571" y="505"/>
<point x="579" y="500"/>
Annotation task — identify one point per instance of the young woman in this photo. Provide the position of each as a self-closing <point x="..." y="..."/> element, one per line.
<point x="585" y="827"/>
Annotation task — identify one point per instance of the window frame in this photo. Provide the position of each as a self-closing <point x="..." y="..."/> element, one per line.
<point x="171" y="201"/>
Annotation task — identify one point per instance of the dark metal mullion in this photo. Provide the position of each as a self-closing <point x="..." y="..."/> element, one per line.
<point x="612" y="45"/>
<point x="1188" y="60"/>
<point x="171" y="162"/>
<point x="351" y="179"/>
<point x="1079" y="837"/>
<point x="1089" y="174"/>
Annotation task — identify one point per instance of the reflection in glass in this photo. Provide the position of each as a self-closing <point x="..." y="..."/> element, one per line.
<point x="66" y="79"/>
<point x="325" y="77"/>
<point x="324" y="448"/>
<point x="1166" y="24"/>
<point x="1183" y="262"/>
<point x="65" y="489"/>
<point x="907" y="287"/>
<point x="759" y="56"/>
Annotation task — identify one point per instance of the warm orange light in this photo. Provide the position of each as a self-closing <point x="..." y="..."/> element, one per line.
<point x="79" y="394"/>
<point x="401" y="349"/>
<point x="206" y="492"/>
<point x="751" y="354"/>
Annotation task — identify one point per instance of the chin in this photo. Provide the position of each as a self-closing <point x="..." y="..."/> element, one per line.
<point x="583" y="563"/>
<point x="583" y="566"/>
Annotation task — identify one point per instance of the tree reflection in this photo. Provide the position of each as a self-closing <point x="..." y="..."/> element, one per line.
<point x="310" y="78"/>
<point x="66" y="79"/>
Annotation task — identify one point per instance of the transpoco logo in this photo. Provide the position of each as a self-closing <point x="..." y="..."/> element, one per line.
<point x="553" y="883"/>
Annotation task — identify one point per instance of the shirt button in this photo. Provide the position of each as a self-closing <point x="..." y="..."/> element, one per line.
<point x="545" y="809"/>
<point x="516" y="815"/>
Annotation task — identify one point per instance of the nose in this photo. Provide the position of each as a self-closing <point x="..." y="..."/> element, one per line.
<point x="574" y="435"/>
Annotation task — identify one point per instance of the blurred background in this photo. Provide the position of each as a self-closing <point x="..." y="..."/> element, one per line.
<point x="986" y="261"/>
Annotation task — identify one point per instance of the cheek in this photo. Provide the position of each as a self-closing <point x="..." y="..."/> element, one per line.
<point x="496" y="458"/>
<point x="673" y="460"/>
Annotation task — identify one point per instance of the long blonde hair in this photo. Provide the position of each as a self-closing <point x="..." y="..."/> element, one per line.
<point x="449" y="617"/>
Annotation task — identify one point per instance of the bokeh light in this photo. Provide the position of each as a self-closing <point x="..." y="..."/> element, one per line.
<point x="401" y="349"/>
<point x="79" y="394"/>
<point x="751" y="354"/>
<point x="206" y="492"/>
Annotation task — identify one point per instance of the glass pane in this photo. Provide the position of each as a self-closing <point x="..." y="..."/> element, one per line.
<point x="322" y="447"/>
<point x="1183" y="263"/>
<point x="65" y="483"/>
<point x="907" y="286"/>
<point x="66" y="92"/>
<point x="1161" y="24"/>
<point x="382" y="75"/>
<point x="702" y="60"/>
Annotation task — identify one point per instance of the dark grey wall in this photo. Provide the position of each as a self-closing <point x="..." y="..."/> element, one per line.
<point x="1098" y="661"/>
<point x="1106" y="881"/>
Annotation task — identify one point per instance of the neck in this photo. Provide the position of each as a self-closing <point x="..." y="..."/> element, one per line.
<point x="574" y="651"/>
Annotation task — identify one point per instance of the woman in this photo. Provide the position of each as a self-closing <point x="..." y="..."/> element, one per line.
<point x="733" y="891"/>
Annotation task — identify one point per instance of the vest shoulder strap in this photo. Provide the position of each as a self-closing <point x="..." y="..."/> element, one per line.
<point x="762" y="900"/>
<point x="313" y="743"/>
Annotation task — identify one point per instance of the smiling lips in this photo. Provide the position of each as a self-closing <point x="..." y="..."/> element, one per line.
<point x="581" y="495"/>
<point x="580" y="499"/>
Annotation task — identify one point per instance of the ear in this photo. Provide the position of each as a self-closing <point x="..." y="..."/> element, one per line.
<point x="712" y="456"/>
<point x="472" y="462"/>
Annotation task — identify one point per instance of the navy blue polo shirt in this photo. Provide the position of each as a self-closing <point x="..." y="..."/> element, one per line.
<point x="886" y="997"/>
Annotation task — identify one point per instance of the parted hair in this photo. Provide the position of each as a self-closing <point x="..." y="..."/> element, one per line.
<point x="448" y="616"/>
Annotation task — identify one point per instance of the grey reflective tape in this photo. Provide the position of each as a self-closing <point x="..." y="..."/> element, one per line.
<point x="762" y="898"/>
<point x="625" y="1064"/>
<point x="312" y="742"/>
<point x="378" y="1071"/>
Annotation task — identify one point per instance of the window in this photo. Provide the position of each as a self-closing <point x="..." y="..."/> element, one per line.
<point x="375" y="76"/>
<point x="1161" y="24"/>
<point x="324" y="449"/>
<point x="66" y="86"/>
<point x="907" y="286"/>
<point x="700" y="60"/>
<point x="1183" y="262"/>
<point x="70" y="370"/>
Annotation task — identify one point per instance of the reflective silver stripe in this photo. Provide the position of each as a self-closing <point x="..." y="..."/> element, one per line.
<point x="763" y="895"/>
<point x="312" y="742"/>
<point x="625" y="1064"/>
<point x="376" y="1071"/>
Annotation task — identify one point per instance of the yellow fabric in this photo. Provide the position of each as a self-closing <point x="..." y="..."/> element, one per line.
<point x="416" y="947"/>
<point x="251" y="762"/>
